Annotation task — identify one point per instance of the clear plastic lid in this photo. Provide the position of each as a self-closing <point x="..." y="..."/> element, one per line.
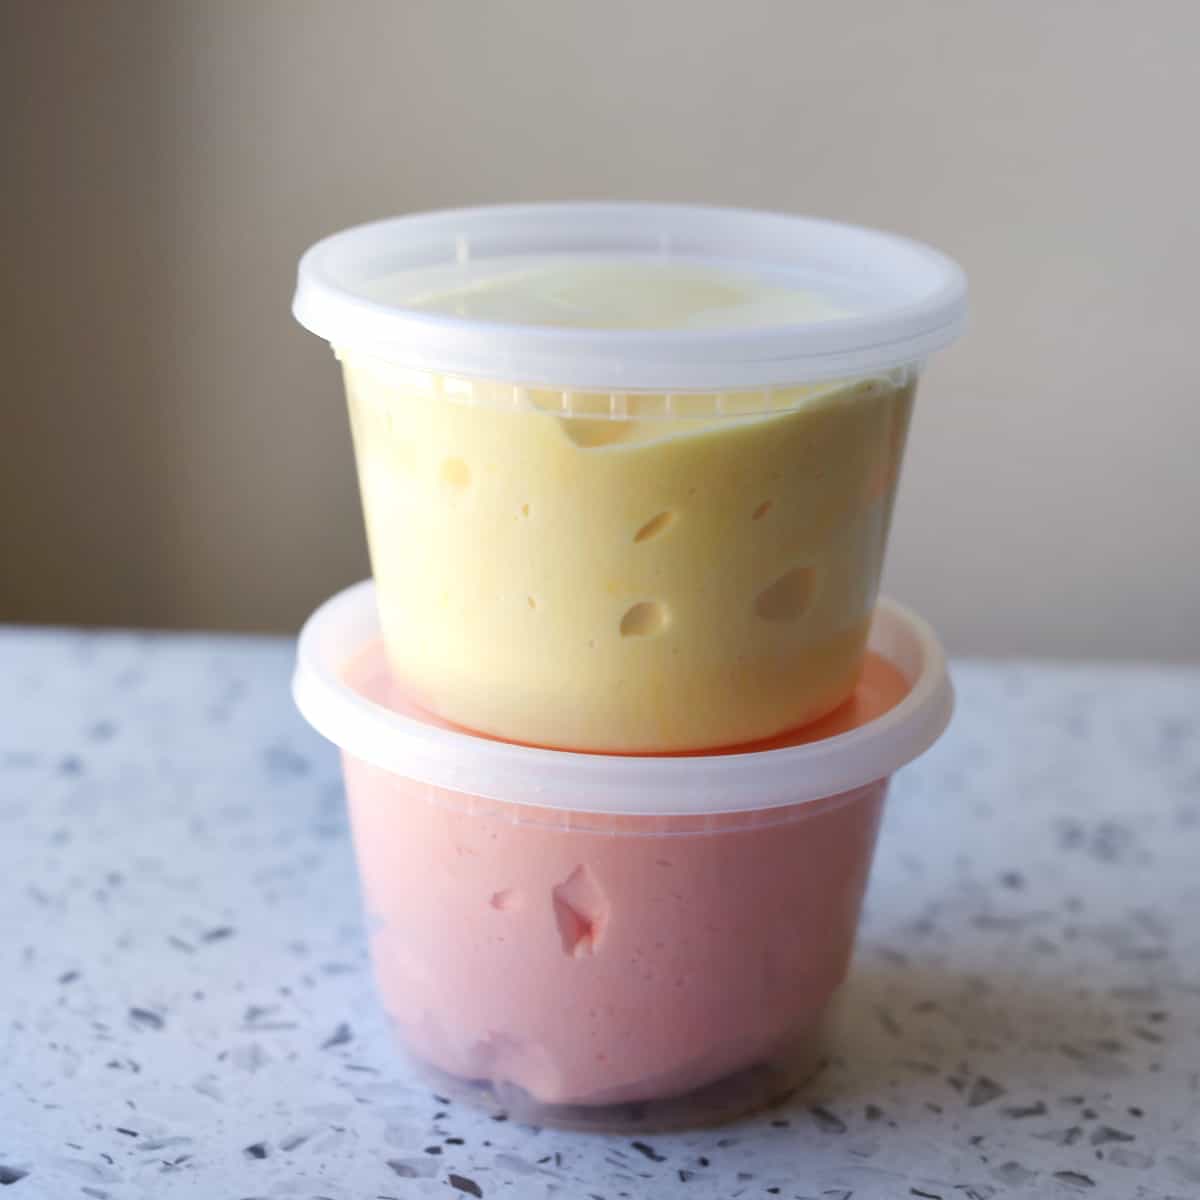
<point x="701" y="784"/>
<point x="630" y="296"/>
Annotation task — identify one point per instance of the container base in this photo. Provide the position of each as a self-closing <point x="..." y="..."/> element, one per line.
<point x="762" y="1085"/>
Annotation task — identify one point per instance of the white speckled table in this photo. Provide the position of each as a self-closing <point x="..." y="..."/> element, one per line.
<point x="186" y="1008"/>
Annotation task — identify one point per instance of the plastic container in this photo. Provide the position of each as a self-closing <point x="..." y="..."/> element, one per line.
<point x="654" y="521"/>
<point x="613" y="942"/>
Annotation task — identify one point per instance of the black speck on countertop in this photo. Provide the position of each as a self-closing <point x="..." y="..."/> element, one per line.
<point x="339" y="1037"/>
<point x="1061" y="1137"/>
<point x="1020" y="1111"/>
<point x="284" y="762"/>
<point x="983" y="1090"/>
<point x="145" y="1018"/>
<point x="648" y="1151"/>
<point x="827" y="1121"/>
<point x="1075" y="1178"/>
<point x="1102" y="1135"/>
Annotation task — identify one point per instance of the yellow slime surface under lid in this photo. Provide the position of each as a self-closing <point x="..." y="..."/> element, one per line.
<point x="598" y="293"/>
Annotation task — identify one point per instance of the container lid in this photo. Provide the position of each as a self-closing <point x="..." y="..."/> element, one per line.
<point x="599" y="783"/>
<point x="792" y="299"/>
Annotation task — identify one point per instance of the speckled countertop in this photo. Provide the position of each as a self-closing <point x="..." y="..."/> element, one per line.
<point x="186" y="1008"/>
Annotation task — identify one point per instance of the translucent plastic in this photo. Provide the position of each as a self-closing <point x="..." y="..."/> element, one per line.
<point x="627" y="469"/>
<point x="874" y="300"/>
<point x="602" y="581"/>
<point x="620" y="972"/>
<point x="613" y="942"/>
<point x="343" y="687"/>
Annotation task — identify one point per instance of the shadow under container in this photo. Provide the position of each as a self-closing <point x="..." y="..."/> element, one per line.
<point x="626" y="539"/>
<point x="610" y="942"/>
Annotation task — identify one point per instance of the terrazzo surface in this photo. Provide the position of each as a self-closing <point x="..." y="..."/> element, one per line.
<point x="186" y="1008"/>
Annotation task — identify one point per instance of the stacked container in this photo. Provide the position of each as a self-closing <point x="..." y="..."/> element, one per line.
<point x="619" y="711"/>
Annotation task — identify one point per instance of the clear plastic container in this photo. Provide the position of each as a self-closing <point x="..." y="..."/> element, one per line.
<point x="613" y="942"/>
<point x="598" y="527"/>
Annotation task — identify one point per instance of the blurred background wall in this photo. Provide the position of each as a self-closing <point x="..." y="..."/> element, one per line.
<point x="173" y="449"/>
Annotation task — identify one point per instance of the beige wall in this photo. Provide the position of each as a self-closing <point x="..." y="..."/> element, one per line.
<point x="173" y="448"/>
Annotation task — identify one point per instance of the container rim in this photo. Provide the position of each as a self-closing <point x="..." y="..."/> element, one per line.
<point x="618" y="784"/>
<point x="914" y="297"/>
